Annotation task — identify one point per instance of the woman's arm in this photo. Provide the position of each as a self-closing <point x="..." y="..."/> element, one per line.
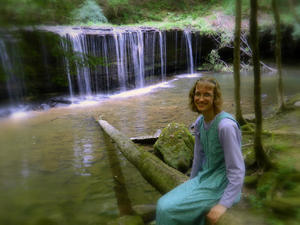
<point x="230" y="139"/>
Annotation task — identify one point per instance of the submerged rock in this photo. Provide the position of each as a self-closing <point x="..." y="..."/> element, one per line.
<point x="175" y="146"/>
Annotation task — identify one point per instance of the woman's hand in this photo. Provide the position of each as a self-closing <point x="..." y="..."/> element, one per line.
<point x="215" y="213"/>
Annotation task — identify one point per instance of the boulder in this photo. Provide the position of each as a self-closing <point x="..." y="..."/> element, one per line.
<point x="175" y="146"/>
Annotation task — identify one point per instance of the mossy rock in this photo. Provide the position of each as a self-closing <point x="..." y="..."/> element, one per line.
<point x="249" y="156"/>
<point x="127" y="220"/>
<point x="293" y="100"/>
<point x="175" y="146"/>
<point x="248" y="127"/>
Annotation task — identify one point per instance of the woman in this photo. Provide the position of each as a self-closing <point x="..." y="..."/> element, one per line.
<point x="218" y="167"/>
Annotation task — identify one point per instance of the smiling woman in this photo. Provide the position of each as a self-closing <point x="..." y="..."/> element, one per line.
<point x="218" y="167"/>
<point x="210" y="89"/>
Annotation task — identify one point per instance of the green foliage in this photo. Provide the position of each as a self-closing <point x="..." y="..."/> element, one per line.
<point x="215" y="63"/>
<point x="229" y="7"/>
<point x="89" y="11"/>
<point x="23" y="12"/>
<point x="296" y="33"/>
<point x="255" y="201"/>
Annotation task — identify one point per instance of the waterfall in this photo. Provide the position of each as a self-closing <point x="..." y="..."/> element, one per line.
<point x="188" y="40"/>
<point x="64" y="46"/>
<point x="105" y="57"/>
<point x="176" y="42"/>
<point x="82" y="70"/>
<point x="136" y="46"/>
<point x="140" y="45"/>
<point x="149" y="54"/>
<point x="13" y="68"/>
<point x="120" y="39"/>
<point x="162" y="44"/>
<point x="91" y="61"/>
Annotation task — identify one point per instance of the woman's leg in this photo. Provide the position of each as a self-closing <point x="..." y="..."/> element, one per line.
<point x="187" y="204"/>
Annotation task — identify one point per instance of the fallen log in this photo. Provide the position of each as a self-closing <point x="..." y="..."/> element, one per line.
<point x="165" y="178"/>
<point x="158" y="174"/>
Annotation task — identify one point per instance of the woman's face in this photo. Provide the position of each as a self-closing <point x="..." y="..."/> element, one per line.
<point x="204" y="97"/>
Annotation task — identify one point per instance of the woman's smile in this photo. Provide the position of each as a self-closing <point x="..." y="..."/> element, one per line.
<point x="204" y="97"/>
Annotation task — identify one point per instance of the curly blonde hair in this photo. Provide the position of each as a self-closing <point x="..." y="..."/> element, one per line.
<point x="218" y="100"/>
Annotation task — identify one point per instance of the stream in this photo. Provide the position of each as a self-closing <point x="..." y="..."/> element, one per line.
<point x="54" y="164"/>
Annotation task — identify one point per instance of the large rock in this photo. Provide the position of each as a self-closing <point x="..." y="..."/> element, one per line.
<point x="175" y="146"/>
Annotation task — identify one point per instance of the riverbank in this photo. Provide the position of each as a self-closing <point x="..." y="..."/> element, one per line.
<point x="275" y="193"/>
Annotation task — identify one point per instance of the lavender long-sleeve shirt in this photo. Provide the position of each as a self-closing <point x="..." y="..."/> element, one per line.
<point x="230" y="139"/>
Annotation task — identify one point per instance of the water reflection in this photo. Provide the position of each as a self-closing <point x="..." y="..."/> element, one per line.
<point x="121" y="193"/>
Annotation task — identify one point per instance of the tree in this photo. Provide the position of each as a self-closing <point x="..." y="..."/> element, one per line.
<point x="278" y="55"/>
<point x="89" y="11"/>
<point x="262" y="160"/>
<point x="236" y="64"/>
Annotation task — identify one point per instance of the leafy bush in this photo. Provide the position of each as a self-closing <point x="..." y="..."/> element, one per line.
<point x="89" y="11"/>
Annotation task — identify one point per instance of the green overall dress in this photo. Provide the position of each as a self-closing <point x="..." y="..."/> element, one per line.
<point x="189" y="203"/>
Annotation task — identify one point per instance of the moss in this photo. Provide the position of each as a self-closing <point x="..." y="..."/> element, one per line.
<point x="175" y="146"/>
<point x="285" y="206"/>
<point x="127" y="220"/>
<point x="249" y="156"/>
<point x="251" y="181"/>
<point x="293" y="100"/>
<point x="267" y="185"/>
<point x="248" y="127"/>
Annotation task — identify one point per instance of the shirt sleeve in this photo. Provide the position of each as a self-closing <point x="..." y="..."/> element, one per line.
<point x="230" y="139"/>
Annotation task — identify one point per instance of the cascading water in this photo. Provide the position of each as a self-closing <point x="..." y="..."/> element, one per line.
<point x="129" y="54"/>
<point x="162" y="44"/>
<point x="64" y="46"/>
<point x="83" y="75"/>
<point x="120" y="38"/>
<point x="102" y="61"/>
<point x="140" y="46"/>
<point x="136" y="46"/>
<point x="13" y="69"/>
<point x="188" y="41"/>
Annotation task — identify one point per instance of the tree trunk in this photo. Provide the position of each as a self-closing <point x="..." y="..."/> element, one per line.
<point x="278" y="55"/>
<point x="149" y="165"/>
<point x="236" y="64"/>
<point x="261" y="157"/>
